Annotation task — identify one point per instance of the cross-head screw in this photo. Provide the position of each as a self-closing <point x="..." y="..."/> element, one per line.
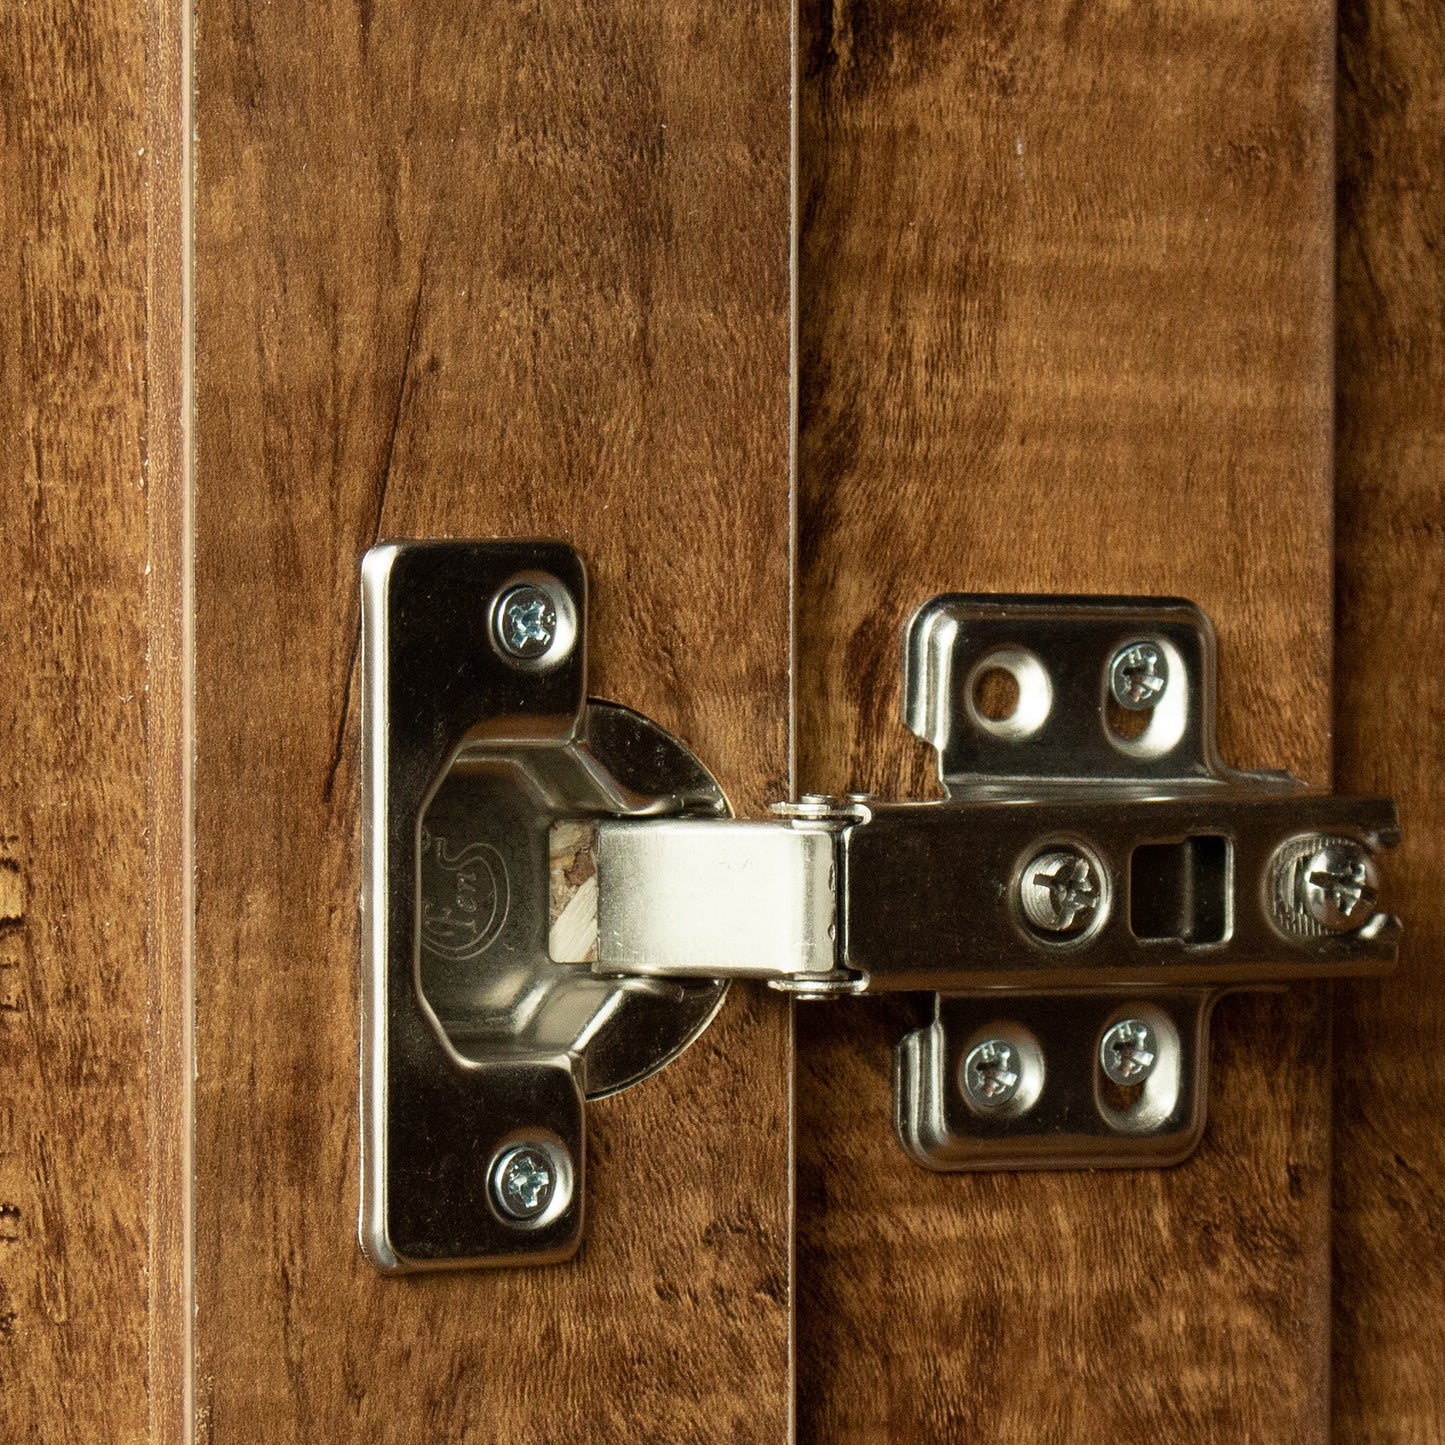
<point x="1138" y="676"/>
<point x="1339" y="886"/>
<point x="526" y="622"/>
<point x="1060" y="891"/>
<point x="523" y="1180"/>
<point x="991" y="1073"/>
<point x="1128" y="1052"/>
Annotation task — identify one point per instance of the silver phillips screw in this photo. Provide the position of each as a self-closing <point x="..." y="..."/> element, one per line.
<point x="1339" y="886"/>
<point x="991" y="1074"/>
<point x="523" y="1181"/>
<point x="1128" y="1051"/>
<point x="1138" y="676"/>
<point x="526" y="622"/>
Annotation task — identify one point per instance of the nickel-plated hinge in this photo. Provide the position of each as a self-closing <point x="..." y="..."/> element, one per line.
<point x="555" y="894"/>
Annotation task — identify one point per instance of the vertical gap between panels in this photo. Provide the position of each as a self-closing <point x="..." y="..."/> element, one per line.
<point x="170" y="722"/>
<point x="794" y="103"/>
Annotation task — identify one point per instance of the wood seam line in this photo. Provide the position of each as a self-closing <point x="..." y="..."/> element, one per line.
<point x="790" y="1373"/>
<point x="170" y="723"/>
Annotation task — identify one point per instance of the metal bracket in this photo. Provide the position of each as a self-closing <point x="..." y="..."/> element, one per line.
<point x="555" y="894"/>
<point x="477" y="1050"/>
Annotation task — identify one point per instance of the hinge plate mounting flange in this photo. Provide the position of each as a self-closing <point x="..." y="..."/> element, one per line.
<point x="1189" y="857"/>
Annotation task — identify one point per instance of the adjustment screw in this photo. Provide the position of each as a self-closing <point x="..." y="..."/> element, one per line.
<point x="523" y="1179"/>
<point x="991" y="1074"/>
<point x="526" y="622"/>
<point x="1138" y="676"/>
<point x="1060" y="891"/>
<point x="1128" y="1051"/>
<point x="1338" y="886"/>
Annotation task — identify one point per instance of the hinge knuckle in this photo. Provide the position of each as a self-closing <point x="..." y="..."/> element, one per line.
<point x="711" y="898"/>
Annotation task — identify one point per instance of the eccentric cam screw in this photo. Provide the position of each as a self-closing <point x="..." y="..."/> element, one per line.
<point x="1060" y="891"/>
<point x="1138" y="676"/>
<point x="1338" y="886"/>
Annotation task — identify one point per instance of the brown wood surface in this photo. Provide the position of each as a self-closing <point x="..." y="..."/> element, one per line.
<point x="73" y="1152"/>
<point x="468" y="271"/>
<point x="1066" y="279"/>
<point x="1389" y="1165"/>
<point x="170" y="741"/>
<point x="474" y="269"/>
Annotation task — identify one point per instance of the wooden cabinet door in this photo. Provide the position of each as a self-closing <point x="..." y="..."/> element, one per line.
<point x="788" y="317"/>
<point x="1069" y="322"/>
<point x="1078" y="339"/>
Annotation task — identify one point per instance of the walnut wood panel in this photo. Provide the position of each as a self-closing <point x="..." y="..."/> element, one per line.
<point x="478" y="269"/>
<point x="1066" y="280"/>
<point x="73" y="1149"/>
<point x="1389" y="1164"/>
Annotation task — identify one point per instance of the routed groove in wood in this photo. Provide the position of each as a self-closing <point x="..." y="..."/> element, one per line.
<point x="1066" y="281"/>
<point x="476" y="269"/>
<point x="1389" y="1161"/>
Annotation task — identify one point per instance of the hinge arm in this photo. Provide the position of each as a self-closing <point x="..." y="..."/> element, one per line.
<point x="1198" y="887"/>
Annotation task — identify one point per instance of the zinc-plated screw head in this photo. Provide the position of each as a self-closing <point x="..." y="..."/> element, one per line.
<point x="1339" y="886"/>
<point x="1060" y="891"/>
<point x="526" y="622"/>
<point x="1138" y="676"/>
<point x="991" y="1074"/>
<point x="1128" y="1051"/>
<point x="524" y="1180"/>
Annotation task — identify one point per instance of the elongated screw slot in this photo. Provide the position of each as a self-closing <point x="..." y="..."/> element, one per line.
<point x="1002" y="1074"/>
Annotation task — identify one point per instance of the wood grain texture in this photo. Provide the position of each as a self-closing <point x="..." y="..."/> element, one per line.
<point x="1066" y="280"/>
<point x="72" y="731"/>
<point x="170" y="740"/>
<point x="1389" y="1170"/>
<point x="474" y="269"/>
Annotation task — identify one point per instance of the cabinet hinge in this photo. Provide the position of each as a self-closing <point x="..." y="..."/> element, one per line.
<point x="555" y="894"/>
